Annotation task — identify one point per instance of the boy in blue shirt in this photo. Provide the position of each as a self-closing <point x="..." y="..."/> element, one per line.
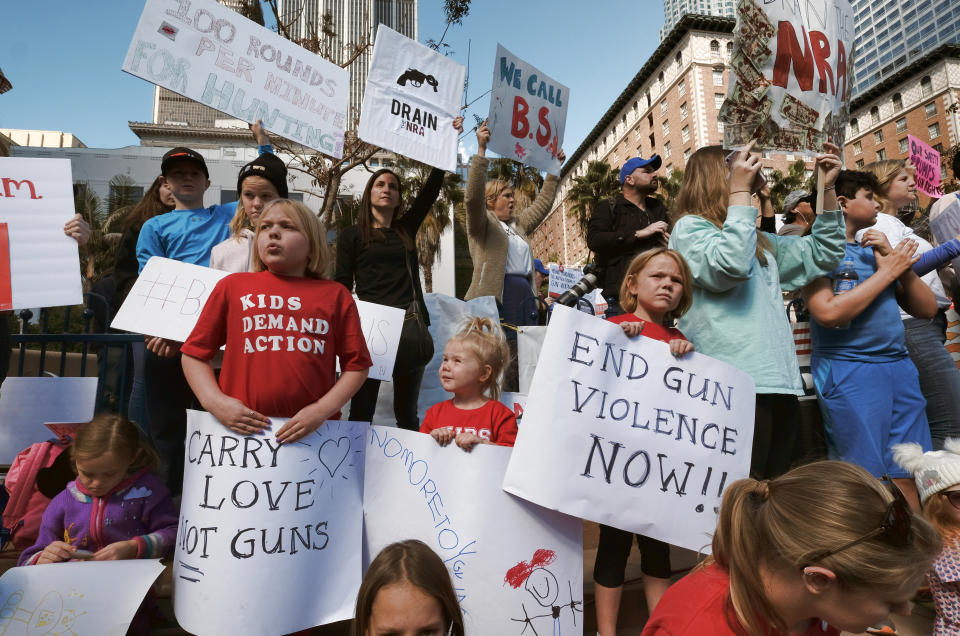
<point x="868" y="388"/>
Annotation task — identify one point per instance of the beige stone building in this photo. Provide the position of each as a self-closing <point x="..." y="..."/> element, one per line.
<point x="922" y="100"/>
<point x="669" y="108"/>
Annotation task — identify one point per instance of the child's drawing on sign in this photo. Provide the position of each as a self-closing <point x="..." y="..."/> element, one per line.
<point x="542" y="585"/>
<point x="337" y="452"/>
<point x="520" y="150"/>
<point x="167" y="293"/>
<point x="50" y="617"/>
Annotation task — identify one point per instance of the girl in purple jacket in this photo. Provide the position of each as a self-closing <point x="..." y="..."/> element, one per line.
<point x="117" y="508"/>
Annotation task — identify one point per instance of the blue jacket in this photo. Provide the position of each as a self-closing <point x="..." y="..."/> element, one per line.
<point x="738" y="313"/>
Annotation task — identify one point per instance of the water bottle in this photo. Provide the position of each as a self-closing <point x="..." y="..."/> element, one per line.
<point x="845" y="280"/>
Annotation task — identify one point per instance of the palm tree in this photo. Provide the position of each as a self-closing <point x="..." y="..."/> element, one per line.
<point x="670" y="188"/>
<point x="783" y="184"/>
<point x="525" y="180"/>
<point x="599" y="182"/>
<point x="97" y="256"/>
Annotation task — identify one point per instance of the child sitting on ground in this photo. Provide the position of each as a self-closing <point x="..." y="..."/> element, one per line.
<point x="473" y="362"/>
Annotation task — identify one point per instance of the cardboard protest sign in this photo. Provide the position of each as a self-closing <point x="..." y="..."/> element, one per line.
<point x="617" y="430"/>
<point x="285" y="520"/>
<point x="791" y="75"/>
<point x="514" y="565"/>
<point x="92" y="597"/>
<point x="213" y="55"/>
<point x="42" y="267"/>
<point x="381" y="327"/>
<point x="528" y="112"/>
<point x="167" y="298"/>
<point x="412" y="97"/>
<point x="26" y="404"/>
<point x="563" y="278"/>
<point x="927" y="162"/>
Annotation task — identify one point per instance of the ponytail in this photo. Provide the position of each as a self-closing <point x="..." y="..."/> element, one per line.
<point x="485" y="339"/>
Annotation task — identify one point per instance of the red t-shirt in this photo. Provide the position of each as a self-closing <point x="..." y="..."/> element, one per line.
<point x="493" y="421"/>
<point x="283" y="336"/>
<point x="650" y="329"/>
<point x="698" y="604"/>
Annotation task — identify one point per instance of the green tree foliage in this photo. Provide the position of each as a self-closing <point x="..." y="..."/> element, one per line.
<point x="525" y="180"/>
<point x="599" y="182"/>
<point x="670" y="188"/>
<point x="783" y="184"/>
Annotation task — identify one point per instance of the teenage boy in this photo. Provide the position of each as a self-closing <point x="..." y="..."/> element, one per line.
<point x="868" y="388"/>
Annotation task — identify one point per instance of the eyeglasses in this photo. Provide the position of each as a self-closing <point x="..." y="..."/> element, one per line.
<point x="953" y="497"/>
<point x="896" y="528"/>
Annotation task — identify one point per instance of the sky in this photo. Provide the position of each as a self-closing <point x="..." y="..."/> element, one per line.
<point x="63" y="58"/>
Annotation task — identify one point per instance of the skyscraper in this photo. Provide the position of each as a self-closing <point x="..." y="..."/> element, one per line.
<point x="355" y="22"/>
<point x="890" y="34"/>
<point x="673" y="10"/>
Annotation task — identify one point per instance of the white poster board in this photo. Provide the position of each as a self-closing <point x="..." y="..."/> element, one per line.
<point x="791" y="75"/>
<point x="283" y="521"/>
<point x="167" y="298"/>
<point x="381" y="327"/>
<point x="529" y="343"/>
<point x="411" y="99"/>
<point x="562" y="278"/>
<point x="36" y="201"/>
<point x="213" y="55"/>
<point x="618" y="431"/>
<point x="92" y="597"/>
<point x="26" y="404"/>
<point x="528" y="112"/>
<point x="513" y="564"/>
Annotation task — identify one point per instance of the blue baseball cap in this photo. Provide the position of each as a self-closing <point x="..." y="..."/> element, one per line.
<point x="538" y="265"/>
<point x="639" y="162"/>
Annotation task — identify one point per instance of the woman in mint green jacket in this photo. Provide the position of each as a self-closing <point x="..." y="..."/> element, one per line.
<point x="739" y="273"/>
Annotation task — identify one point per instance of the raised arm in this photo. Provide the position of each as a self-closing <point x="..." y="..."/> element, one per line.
<point x="475" y="199"/>
<point x="427" y="196"/>
<point x="531" y="216"/>
<point x="719" y="258"/>
<point x="936" y="257"/>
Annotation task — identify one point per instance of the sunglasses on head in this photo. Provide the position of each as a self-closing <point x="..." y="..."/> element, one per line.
<point x="895" y="529"/>
<point x="953" y="497"/>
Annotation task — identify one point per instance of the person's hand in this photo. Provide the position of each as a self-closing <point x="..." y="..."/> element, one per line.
<point x="877" y="240"/>
<point x="653" y="228"/>
<point x="117" y="551"/>
<point x="743" y="170"/>
<point x="467" y="441"/>
<point x="899" y="260"/>
<point x="56" y="552"/>
<point x="632" y="329"/>
<point x="680" y="347"/>
<point x="77" y="229"/>
<point x="483" y="137"/>
<point x="561" y="156"/>
<point x="260" y="133"/>
<point x="458" y="124"/>
<point x="162" y="347"/>
<point x="239" y="417"/>
<point x="764" y="193"/>
<point x="909" y="167"/>
<point x="548" y="300"/>
<point x="831" y="164"/>
<point x="443" y="436"/>
<point x="307" y="420"/>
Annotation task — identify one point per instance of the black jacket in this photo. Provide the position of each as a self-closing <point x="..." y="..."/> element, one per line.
<point x="611" y="236"/>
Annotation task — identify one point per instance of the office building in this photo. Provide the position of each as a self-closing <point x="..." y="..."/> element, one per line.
<point x="674" y="10"/>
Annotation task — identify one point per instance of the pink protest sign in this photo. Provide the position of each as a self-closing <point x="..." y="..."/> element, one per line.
<point x="927" y="162"/>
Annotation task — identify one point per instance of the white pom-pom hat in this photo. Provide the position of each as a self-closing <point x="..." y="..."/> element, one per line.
<point x="934" y="470"/>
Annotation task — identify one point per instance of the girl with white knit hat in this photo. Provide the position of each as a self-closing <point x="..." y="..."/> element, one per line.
<point x="937" y="474"/>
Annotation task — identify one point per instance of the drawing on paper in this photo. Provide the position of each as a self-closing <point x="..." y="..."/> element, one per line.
<point x="541" y="584"/>
<point x="50" y="617"/>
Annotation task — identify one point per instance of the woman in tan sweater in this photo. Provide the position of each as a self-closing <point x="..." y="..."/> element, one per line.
<point x="502" y="259"/>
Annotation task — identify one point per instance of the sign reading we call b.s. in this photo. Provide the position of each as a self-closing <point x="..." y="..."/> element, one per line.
<point x="528" y="112"/>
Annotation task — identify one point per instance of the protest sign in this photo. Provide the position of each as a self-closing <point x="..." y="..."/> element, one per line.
<point x="26" y="404"/>
<point x="411" y="99"/>
<point x="93" y="597"/>
<point x="528" y="112"/>
<point x="213" y="55"/>
<point x="167" y="298"/>
<point x="562" y="278"/>
<point x="381" y="327"/>
<point x="791" y="75"/>
<point x="285" y="520"/>
<point x="42" y="268"/>
<point x="927" y="162"/>
<point x="529" y="343"/>
<point x="617" y="430"/>
<point x="514" y="565"/>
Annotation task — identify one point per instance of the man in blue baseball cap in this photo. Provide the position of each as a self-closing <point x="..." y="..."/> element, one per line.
<point x="633" y="222"/>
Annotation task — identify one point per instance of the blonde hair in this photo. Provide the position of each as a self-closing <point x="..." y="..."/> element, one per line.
<point x="628" y="301"/>
<point x="939" y="512"/>
<point x="239" y="221"/>
<point x="113" y="434"/>
<point x="318" y="262"/>
<point x="705" y="192"/>
<point x="885" y="171"/>
<point x="485" y="340"/>
<point x="780" y="524"/>
<point x="494" y="189"/>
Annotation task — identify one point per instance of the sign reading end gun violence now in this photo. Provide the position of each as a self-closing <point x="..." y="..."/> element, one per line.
<point x="210" y="54"/>
<point x="270" y="535"/>
<point x="616" y="430"/>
